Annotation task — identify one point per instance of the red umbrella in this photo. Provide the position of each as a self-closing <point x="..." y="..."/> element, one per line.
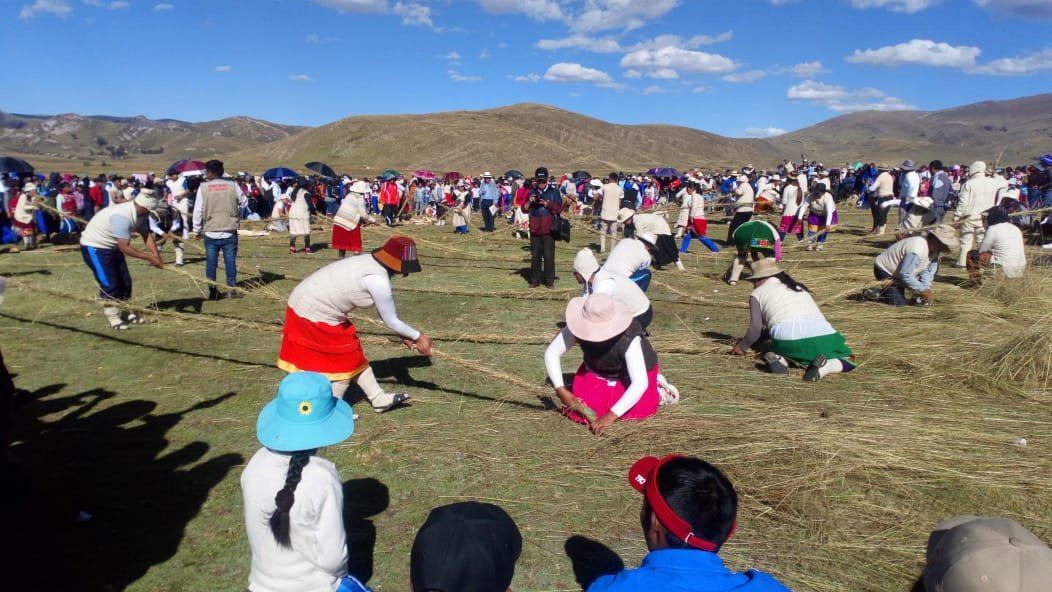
<point x="424" y="174"/>
<point x="186" y="166"/>
<point x="451" y="176"/>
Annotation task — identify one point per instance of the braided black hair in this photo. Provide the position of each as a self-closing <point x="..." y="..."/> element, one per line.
<point x="279" y="520"/>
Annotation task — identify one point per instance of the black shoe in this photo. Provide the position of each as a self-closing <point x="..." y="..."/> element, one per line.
<point x="213" y="294"/>
<point x="398" y="400"/>
<point x="535" y="284"/>
<point x="812" y="374"/>
<point x="774" y="364"/>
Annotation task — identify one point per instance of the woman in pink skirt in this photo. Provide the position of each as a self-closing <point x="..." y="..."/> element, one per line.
<point x="619" y="376"/>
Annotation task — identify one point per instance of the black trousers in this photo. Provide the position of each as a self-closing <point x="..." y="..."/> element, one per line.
<point x="542" y="250"/>
<point x="880" y="215"/>
<point x="738" y="219"/>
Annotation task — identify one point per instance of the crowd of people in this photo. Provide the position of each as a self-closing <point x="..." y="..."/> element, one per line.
<point x="292" y="496"/>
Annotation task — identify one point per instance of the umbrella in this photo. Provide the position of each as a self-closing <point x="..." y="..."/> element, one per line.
<point x="322" y="169"/>
<point x="663" y="172"/>
<point x="186" y="167"/>
<point x="280" y="173"/>
<point x="514" y="174"/>
<point x="390" y="174"/>
<point x="579" y="176"/>
<point x="10" y="164"/>
<point x="424" y="174"/>
<point x="451" y="176"/>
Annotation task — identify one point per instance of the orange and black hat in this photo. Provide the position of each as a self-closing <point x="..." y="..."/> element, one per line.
<point x="399" y="255"/>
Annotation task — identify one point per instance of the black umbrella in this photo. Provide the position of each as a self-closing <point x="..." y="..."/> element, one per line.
<point x="10" y="164"/>
<point x="514" y="174"/>
<point x="580" y="176"/>
<point x="322" y="169"/>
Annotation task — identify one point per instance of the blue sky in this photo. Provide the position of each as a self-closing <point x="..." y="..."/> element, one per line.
<point x="736" y="68"/>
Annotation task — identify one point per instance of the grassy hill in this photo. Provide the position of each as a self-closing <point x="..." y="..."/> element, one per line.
<point x="1020" y="127"/>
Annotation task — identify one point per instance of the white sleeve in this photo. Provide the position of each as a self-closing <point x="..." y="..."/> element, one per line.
<point x="199" y="210"/>
<point x="553" y="355"/>
<point x="605" y="286"/>
<point x="380" y="289"/>
<point x="637" y="376"/>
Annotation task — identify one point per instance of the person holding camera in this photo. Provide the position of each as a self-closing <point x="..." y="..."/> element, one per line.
<point x="543" y="206"/>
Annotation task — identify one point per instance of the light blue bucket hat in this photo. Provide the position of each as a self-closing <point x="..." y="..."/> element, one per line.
<point x="304" y="415"/>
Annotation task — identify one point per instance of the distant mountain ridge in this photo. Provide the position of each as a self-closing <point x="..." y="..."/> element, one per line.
<point x="527" y="135"/>
<point x="75" y="137"/>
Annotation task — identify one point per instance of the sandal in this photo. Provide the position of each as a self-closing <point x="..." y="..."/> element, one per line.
<point x="813" y="373"/>
<point x="134" y="319"/>
<point x="397" y="400"/>
<point x="120" y="326"/>
<point x="775" y="364"/>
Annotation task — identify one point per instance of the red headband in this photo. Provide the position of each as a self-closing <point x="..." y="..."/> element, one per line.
<point x="644" y="472"/>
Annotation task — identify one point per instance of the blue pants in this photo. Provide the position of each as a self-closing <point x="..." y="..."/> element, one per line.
<point x="110" y="269"/>
<point x="461" y="229"/>
<point x="487" y="216"/>
<point x="685" y="245"/>
<point x="229" y="248"/>
<point x="642" y="279"/>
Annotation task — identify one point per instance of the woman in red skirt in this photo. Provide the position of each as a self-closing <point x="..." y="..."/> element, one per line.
<point x="346" y="225"/>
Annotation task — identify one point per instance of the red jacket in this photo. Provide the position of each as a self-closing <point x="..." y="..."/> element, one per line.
<point x="389" y="194"/>
<point x="95" y="194"/>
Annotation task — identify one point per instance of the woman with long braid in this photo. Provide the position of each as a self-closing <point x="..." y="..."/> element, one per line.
<point x="294" y="498"/>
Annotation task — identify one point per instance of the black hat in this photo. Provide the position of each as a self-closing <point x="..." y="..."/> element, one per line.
<point x="541" y="173"/>
<point x="465" y="547"/>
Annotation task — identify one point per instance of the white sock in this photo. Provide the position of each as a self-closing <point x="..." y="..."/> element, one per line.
<point x="178" y="255"/>
<point x="372" y="389"/>
<point x="831" y="367"/>
<point x="113" y="315"/>
<point x="339" y="387"/>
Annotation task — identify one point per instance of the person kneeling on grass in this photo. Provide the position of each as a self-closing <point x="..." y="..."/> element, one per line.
<point x="911" y="263"/>
<point x="294" y="498"/>
<point x="318" y="336"/>
<point x="1002" y="247"/>
<point x="800" y="333"/>
<point x="619" y="377"/>
<point x="689" y="512"/>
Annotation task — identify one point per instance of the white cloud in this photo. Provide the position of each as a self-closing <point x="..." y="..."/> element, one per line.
<point x="918" y="51"/>
<point x="531" y="78"/>
<point x="119" y="4"/>
<point x="223" y="68"/>
<point x="578" y="41"/>
<point x="345" y="6"/>
<point x="315" y="39"/>
<point x="484" y="54"/>
<point x="59" y="8"/>
<point x="1037" y="9"/>
<point x="699" y="89"/>
<point x="570" y="72"/>
<point x="763" y="132"/>
<point x="633" y="74"/>
<point x="677" y="58"/>
<point x="458" y="77"/>
<point x="414" y="13"/>
<point x="808" y="69"/>
<point x="95" y="3"/>
<point x="653" y="90"/>
<point x="663" y="74"/>
<point x="300" y="77"/>
<point x="451" y="56"/>
<point x="747" y="76"/>
<point x="163" y="6"/>
<point x="538" y="10"/>
<point x="783" y="2"/>
<point x="699" y="40"/>
<point x="623" y="15"/>
<point x="837" y="98"/>
<point x="907" y="6"/>
<point x="1018" y="66"/>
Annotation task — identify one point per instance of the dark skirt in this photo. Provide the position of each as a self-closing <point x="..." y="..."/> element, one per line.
<point x="665" y="250"/>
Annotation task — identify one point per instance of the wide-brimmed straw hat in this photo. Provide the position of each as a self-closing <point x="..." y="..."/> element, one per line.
<point x="360" y="187"/>
<point x="624" y="214"/>
<point x="597" y="317"/>
<point x="764" y="268"/>
<point x="399" y="255"/>
<point x="945" y="235"/>
<point x="585" y="263"/>
<point x="972" y="554"/>
<point x="147" y="198"/>
<point x="304" y="415"/>
<point x="908" y="165"/>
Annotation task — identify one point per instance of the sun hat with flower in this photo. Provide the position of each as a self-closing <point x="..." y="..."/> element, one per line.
<point x="304" y="415"/>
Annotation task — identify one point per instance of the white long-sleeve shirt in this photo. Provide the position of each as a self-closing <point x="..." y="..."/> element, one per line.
<point x="635" y="364"/>
<point x="318" y="557"/>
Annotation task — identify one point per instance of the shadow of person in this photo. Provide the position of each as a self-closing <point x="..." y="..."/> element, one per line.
<point x="362" y="499"/>
<point x="113" y="499"/>
<point x="716" y="336"/>
<point x="591" y="560"/>
<point x="193" y="304"/>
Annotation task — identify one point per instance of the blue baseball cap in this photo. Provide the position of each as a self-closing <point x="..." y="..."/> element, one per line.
<point x="304" y="415"/>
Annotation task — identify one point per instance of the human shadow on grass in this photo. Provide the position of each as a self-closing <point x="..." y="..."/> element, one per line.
<point x="591" y="560"/>
<point x="362" y="499"/>
<point x="113" y="338"/>
<point x="264" y="278"/>
<point x="398" y="369"/>
<point x="184" y="305"/>
<point x="98" y="499"/>
<point x="26" y="272"/>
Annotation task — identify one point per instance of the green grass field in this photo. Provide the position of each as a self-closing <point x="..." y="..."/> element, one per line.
<point x="840" y="481"/>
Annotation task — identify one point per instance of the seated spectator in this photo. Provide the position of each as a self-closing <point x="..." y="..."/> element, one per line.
<point x="689" y="512"/>
<point x="800" y="333"/>
<point x="972" y="554"/>
<point x="911" y="264"/>
<point x="1002" y="247"/>
<point x="465" y="547"/>
<point x="294" y="498"/>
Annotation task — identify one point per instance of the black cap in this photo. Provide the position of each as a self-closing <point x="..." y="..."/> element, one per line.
<point x="465" y="547"/>
<point x="541" y="173"/>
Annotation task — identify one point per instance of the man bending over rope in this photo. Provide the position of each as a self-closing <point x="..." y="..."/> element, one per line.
<point x="318" y="336"/>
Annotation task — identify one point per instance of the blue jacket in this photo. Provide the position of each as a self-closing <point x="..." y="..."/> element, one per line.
<point x="685" y="570"/>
